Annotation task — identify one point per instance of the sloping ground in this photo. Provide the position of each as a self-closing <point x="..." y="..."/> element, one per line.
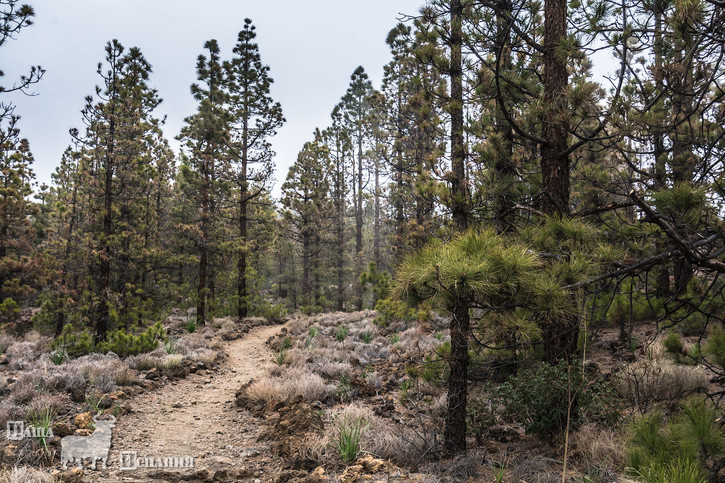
<point x="196" y="417"/>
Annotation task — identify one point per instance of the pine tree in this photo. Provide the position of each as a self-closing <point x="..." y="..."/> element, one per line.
<point x="205" y="138"/>
<point x="355" y="109"/>
<point x="17" y="236"/>
<point x="256" y="118"/>
<point x="304" y="196"/>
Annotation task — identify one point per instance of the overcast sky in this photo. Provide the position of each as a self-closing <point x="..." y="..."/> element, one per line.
<point x="311" y="46"/>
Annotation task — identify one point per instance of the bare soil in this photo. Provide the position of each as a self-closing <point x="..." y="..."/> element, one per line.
<point x="197" y="417"/>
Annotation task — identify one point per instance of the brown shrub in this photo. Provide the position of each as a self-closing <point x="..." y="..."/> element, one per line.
<point x="644" y="384"/>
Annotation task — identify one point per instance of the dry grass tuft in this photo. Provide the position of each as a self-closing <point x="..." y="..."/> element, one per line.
<point x="25" y="474"/>
<point x="380" y="439"/>
<point x="289" y="384"/>
<point x="593" y="445"/>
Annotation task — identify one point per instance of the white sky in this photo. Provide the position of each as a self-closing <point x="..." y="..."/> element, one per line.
<point x="311" y="46"/>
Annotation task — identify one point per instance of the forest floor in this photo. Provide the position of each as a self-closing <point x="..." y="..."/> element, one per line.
<point x="259" y="403"/>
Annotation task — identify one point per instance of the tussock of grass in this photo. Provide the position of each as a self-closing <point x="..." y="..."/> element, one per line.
<point x="289" y="384"/>
<point x="25" y="474"/>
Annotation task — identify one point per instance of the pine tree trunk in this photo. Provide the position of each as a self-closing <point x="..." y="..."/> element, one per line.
<point x="660" y="154"/>
<point x="104" y="287"/>
<point x="376" y="221"/>
<point x="242" y="295"/>
<point x="340" y="237"/>
<point x="203" y="250"/>
<point x="455" y="424"/>
<point x="559" y="336"/>
<point x="306" y="269"/>
<point x="504" y="170"/>
<point x="359" y="227"/>
<point x="554" y="157"/>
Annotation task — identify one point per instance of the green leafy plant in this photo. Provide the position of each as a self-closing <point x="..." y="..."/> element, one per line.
<point x="58" y="356"/>
<point x="42" y="420"/>
<point x="366" y="336"/>
<point x="539" y="398"/>
<point x="343" y="388"/>
<point x="171" y="346"/>
<point x="280" y="358"/>
<point x="341" y="333"/>
<point x="348" y="435"/>
<point x="95" y="401"/>
<point x="191" y="325"/>
<point x="662" y="450"/>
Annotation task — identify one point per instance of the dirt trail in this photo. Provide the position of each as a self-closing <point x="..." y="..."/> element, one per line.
<point x="196" y="417"/>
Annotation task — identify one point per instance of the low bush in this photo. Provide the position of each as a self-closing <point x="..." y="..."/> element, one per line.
<point x="540" y="398"/>
<point x="646" y="384"/>
<point x="118" y="341"/>
<point x="679" y="448"/>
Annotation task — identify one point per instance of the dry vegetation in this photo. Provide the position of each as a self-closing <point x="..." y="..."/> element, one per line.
<point x="387" y="384"/>
<point x="41" y="385"/>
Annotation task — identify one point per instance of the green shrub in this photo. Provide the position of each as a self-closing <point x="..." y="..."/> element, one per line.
<point x="118" y="341"/>
<point x="715" y="347"/>
<point x="191" y="325"/>
<point x="436" y="368"/>
<point x="171" y="346"/>
<point x="366" y="336"/>
<point x="673" y="344"/>
<point x="394" y="310"/>
<point x="9" y="310"/>
<point x="678" y="449"/>
<point x="124" y="344"/>
<point x="341" y="333"/>
<point x="539" y="398"/>
<point x="280" y="358"/>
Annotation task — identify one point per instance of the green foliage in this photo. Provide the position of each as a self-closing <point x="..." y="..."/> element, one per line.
<point x="9" y="310"/>
<point x="191" y="325"/>
<point x="270" y="311"/>
<point x="170" y="346"/>
<point x="349" y="432"/>
<point x="344" y="389"/>
<point x="715" y="347"/>
<point x="280" y="358"/>
<point x="58" y="356"/>
<point x="661" y="450"/>
<point x="42" y="418"/>
<point x="394" y="310"/>
<point x="95" y="401"/>
<point x="435" y="367"/>
<point x="366" y="336"/>
<point x="381" y="282"/>
<point x="631" y="304"/>
<point x="673" y="344"/>
<point x="539" y="398"/>
<point x="311" y="334"/>
<point x="118" y="341"/>
<point x="341" y="333"/>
